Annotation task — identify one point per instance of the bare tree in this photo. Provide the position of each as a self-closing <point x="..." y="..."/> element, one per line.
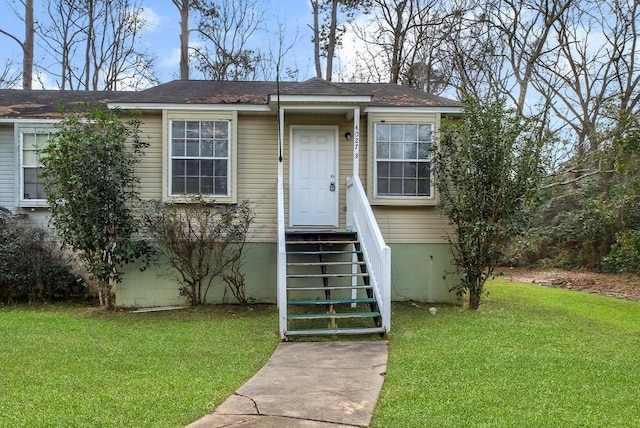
<point x="96" y="44"/>
<point x="328" y="34"/>
<point x="27" y="44"/>
<point x="183" y="8"/>
<point x="226" y="32"/>
<point x="9" y="77"/>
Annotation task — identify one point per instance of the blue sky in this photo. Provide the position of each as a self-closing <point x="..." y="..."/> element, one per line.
<point x="162" y="36"/>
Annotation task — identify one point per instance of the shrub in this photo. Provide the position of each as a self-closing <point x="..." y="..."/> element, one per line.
<point x="32" y="267"/>
<point x="625" y="253"/>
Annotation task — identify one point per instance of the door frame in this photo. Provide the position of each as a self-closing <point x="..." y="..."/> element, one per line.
<point x="336" y="145"/>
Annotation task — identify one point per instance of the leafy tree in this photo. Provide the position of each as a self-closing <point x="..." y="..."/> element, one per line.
<point x="202" y="241"/>
<point x="488" y="167"/>
<point x="92" y="190"/>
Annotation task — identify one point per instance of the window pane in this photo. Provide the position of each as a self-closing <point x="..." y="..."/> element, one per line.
<point x="206" y="148"/>
<point x="382" y="132"/>
<point x="395" y="169"/>
<point x="410" y="151"/>
<point x="207" y="186"/>
<point x="382" y="150"/>
<point x="409" y="187"/>
<point x="410" y="170"/>
<point x="395" y="186"/>
<point x="383" y="186"/>
<point x="42" y="140"/>
<point x="178" y="167"/>
<point x="411" y="133"/>
<point x="207" y="129"/>
<point x="396" y="150"/>
<point x="383" y="169"/>
<point x="193" y="129"/>
<point x="423" y="150"/>
<point x="193" y="148"/>
<point x="222" y="130"/>
<point x="206" y="168"/>
<point x="424" y="187"/>
<point x="193" y="167"/>
<point x="30" y="157"/>
<point x="222" y="150"/>
<point x="31" y="183"/>
<point x="221" y="186"/>
<point x="220" y="168"/>
<point x="177" y="148"/>
<point x="177" y="186"/>
<point x="177" y="129"/>
<point x="424" y="132"/>
<point x="193" y="185"/>
<point x="424" y="170"/>
<point x="29" y="141"/>
<point x="397" y="133"/>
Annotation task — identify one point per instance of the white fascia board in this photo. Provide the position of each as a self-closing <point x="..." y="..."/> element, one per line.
<point x="28" y="120"/>
<point x="318" y="99"/>
<point x="162" y="106"/>
<point x="416" y="109"/>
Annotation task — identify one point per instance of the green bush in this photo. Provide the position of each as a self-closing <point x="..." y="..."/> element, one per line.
<point x="32" y="267"/>
<point x="625" y="253"/>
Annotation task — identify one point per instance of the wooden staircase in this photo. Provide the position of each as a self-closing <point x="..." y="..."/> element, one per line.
<point x="328" y="289"/>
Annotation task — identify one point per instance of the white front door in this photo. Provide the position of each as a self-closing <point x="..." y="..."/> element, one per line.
<point x="313" y="195"/>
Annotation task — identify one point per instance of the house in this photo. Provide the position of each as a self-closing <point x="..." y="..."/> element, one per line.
<point x="339" y="174"/>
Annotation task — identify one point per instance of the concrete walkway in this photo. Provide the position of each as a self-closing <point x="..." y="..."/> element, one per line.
<point x="308" y="384"/>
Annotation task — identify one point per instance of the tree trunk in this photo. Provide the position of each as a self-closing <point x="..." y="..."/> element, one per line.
<point x="184" y="39"/>
<point x="475" y="296"/>
<point x="27" y="46"/>
<point x="331" y="39"/>
<point x="316" y="38"/>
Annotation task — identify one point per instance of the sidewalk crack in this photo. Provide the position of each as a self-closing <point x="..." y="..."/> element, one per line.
<point x="255" y="404"/>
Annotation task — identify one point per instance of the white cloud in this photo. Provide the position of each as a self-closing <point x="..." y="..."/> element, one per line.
<point x="152" y="19"/>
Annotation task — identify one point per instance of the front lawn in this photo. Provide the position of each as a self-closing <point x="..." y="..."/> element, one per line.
<point x="75" y="367"/>
<point x="530" y="357"/>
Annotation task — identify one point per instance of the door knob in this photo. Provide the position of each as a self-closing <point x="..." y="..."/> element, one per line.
<point x="332" y="187"/>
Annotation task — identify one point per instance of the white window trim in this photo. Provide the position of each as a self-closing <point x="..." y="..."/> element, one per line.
<point x="374" y="199"/>
<point x="232" y="118"/>
<point x="19" y="132"/>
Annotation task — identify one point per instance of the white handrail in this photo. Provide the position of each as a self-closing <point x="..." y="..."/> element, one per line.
<point x="377" y="253"/>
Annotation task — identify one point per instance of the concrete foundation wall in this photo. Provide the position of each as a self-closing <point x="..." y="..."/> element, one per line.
<point x="419" y="272"/>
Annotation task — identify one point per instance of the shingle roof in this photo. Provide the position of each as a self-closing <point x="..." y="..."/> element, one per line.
<point x="15" y="103"/>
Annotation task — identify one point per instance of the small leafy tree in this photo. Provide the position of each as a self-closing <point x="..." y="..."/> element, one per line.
<point x="488" y="168"/>
<point x="202" y="240"/>
<point x="92" y="190"/>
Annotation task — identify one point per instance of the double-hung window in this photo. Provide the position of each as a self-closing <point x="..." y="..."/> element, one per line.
<point x="32" y="188"/>
<point x="402" y="153"/>
<point x="200" y="161"/>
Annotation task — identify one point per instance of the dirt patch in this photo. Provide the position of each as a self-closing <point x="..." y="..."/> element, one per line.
<point x="623" y="286"/>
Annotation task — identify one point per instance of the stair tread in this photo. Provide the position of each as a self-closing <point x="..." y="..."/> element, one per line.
<point x="323" y="252"/>
<point x="326" y="275"/>
<point x="327" y="331"/>
<point x="330" y="288"/>
<point x="330" y="301"/>
<point x="322" y="241"/>
<point x="334" y="315"/>
<point x="325" y="263"/>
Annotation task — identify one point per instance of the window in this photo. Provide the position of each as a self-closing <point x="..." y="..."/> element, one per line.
<point x="200" y="158"/>
<point x="32" y="187"/>
<point x="403" y="160"/>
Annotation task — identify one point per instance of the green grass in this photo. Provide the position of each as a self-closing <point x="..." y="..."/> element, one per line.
<point x="75" y="367"/>
<point x="531" y="357"/>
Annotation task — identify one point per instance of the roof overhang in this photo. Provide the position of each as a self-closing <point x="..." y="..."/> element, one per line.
<point x="182" y="106"/>
<point x="414" y="109"/>
<point x="29" y="119"/>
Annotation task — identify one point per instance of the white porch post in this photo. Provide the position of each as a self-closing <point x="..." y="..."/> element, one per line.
<point x="282" y="256"/>
<point x="356" y="141"/>
<point x="356" y="172"/>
